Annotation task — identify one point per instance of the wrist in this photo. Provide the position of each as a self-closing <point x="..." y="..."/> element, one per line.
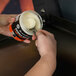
<point x="47" y="57"/>
<point x="0" y="29"/>
<point x="48" y="53"/>
<point x="50" y="61"/>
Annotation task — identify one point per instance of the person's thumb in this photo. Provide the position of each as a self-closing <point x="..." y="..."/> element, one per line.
<point x="39" y="34"/>
<point x="40" y="37"/>
<point x="11" y="20"/>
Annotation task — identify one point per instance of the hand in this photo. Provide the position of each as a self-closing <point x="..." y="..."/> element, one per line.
<point x="4" y="29"/>
<point x="46" y="43"/>
<point x="5" y="20"/>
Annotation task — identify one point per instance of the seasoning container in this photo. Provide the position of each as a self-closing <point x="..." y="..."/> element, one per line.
<point x="25" y="25"/>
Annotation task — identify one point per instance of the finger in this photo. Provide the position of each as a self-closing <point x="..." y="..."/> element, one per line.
<point x="26" y="41"/>
<point x="33" y="37"/>
<point x="11" y="20"/>
<point x="46" y="32"/>
<point x="40" y="35"/>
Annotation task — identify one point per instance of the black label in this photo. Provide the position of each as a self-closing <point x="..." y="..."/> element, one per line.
<point x="19" y="32"/>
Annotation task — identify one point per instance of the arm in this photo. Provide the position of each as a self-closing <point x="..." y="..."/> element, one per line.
<point x="42" y="68"/>
<point x="46" y="45"/>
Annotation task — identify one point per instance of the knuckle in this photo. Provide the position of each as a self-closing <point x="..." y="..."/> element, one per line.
<point x="52" y="35"/>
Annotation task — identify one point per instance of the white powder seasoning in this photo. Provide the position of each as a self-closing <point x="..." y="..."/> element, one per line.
<point x="29" y="20"/>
